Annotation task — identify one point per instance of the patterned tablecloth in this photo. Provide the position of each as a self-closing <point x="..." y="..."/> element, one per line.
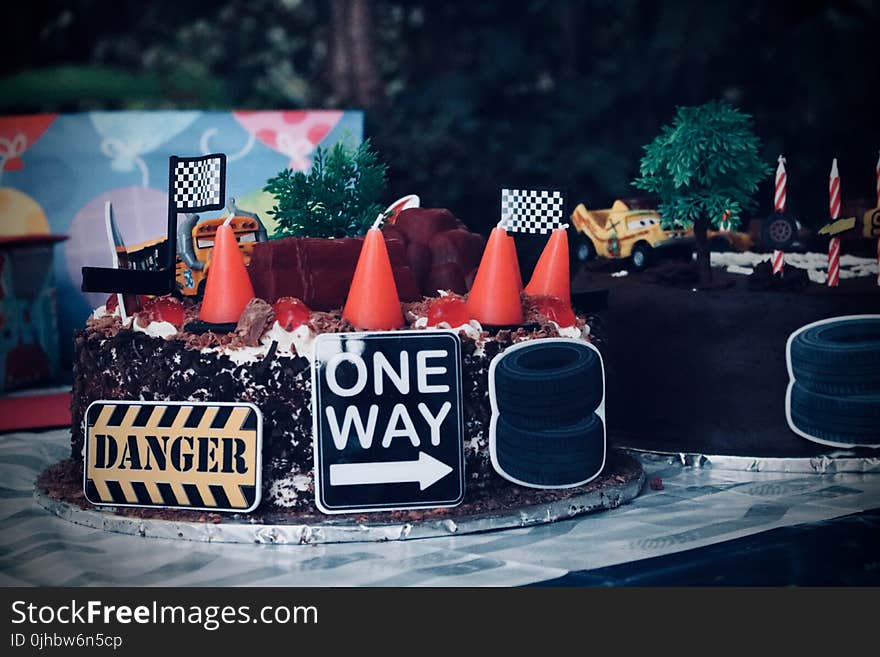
<point x="696" y="507"/>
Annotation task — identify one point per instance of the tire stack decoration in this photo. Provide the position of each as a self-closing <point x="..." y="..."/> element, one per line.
<point x="833" y="393"/>
<point x="548" y="413"/>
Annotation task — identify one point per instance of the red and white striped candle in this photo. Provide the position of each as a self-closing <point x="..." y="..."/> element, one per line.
<point x="834" y="191"/>
<point x="779" y="196"/>
<point x="834" y="262"/>
<point x="878" y="261"/>
<point x="778" y="262"/>
<point x="833" y="278"/>
<point x="878" y="184"/>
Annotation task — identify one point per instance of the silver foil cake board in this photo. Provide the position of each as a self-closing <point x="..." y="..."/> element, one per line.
<point x="609" y="496"/>
<point x="831" y="463"/>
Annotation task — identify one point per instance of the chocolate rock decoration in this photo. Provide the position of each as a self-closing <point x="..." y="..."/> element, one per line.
<point x="440" y="251"/>
<point x="429" y="250"/>
<point x="319" y="271"/>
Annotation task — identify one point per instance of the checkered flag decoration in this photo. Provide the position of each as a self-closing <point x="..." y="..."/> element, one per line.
<point x="531" y="210"/>
<point x="198" y="183"/>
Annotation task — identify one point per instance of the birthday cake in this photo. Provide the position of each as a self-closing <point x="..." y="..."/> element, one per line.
<point x="265" y="359"/>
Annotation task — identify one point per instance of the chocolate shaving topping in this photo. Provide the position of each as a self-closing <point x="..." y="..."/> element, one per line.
<point x="330" y="322"/>
<point x="191" y="309"/>
<point x="412" y="311"/>
<point x="256" y="318"/>
<point x="207" y="339"/>
<point x="108" y="326"/>
<point x="531" y="315"/>
<point x="266" y="363"/>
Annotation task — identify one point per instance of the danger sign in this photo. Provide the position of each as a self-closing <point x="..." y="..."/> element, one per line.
<point x="189" y="455"/>
<point x="387" y="421"/>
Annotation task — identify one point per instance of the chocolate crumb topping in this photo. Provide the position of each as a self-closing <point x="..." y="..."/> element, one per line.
<point x="108" y="326"/>
<point x="412" y="311"/>
<point x="330" y="322"/>
<point x="531" y="315"/>
<point x="207" y="339"/>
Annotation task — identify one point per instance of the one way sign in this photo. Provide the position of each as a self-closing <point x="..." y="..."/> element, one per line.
<point x="387" y="421"/>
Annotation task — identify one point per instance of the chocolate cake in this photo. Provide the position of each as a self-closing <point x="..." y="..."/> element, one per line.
<point x="704" y="371"/>
<point x="263" y="363"/>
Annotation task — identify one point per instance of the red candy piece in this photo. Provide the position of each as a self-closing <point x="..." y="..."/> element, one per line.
<point x="165" y="309"/>
<point x="111" y="304"/>
<point x="555" y="309"/>
<point x="450" y="309"/>
<point x="291" y="313"/>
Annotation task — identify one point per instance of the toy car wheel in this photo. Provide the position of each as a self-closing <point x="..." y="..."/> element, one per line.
<point x="641" y="256"/>
<point x="581" y="250"/>
<point x="779" y="231"/>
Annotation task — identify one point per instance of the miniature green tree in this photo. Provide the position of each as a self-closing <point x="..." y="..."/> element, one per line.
<point x="704" y="166"/>
<point x="338" y="197"/>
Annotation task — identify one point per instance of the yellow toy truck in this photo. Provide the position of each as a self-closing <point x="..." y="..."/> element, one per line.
<point x="636" y="233"/>
<point x="871" y="224"/>
<point x="620" y="232"/>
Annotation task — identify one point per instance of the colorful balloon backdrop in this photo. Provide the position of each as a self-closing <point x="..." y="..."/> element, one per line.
<point x="60" y="169"/>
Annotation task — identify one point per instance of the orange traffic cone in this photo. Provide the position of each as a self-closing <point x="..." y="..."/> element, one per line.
<point x="511" y="248"/>
<point x="372" y="302"/>
<point x="228" y="288"/>
<point x="551" y="275"/>
<point x="494" y="297"/>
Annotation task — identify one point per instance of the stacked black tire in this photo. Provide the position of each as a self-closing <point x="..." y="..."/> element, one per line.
<point x="835" y="396"/>
<point x="547" y="432"/>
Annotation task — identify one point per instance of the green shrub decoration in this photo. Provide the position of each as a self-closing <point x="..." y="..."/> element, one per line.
<point x="706" y="163"/>
<point x="338" y="197"/>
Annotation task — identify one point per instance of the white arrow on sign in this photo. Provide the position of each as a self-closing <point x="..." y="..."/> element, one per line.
<point x="426" y="470"/>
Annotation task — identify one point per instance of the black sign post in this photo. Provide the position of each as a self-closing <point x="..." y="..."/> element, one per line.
<point x="388" y="422"/>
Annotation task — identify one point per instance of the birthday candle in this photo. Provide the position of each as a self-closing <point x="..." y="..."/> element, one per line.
<point x="779" y="196"/>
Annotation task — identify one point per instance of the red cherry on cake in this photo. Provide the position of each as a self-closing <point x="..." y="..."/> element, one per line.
<point x="111" y="304"/>
<point x="291" y="313"/>
<point x="165" y="309"/>
<point x="555" y="309"/>
<point x="450" y="309"/>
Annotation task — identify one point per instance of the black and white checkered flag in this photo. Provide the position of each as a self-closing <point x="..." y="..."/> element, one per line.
<point x="198" y="183"/>
<point x="531" y="210"/>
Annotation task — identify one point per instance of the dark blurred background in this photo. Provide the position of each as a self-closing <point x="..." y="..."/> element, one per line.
<point x="464" y="97"/>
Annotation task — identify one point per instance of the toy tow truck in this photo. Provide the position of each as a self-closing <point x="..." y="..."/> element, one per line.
<point x="195" y="241"/>
<point x="624" y="231"/>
